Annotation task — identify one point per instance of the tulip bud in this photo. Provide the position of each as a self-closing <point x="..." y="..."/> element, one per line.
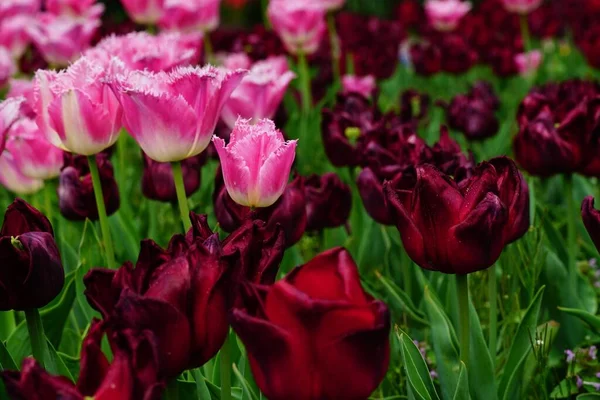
<point x="522" y="7"/>
<point x="76" y="192"/>
<point x="344" y="356"/>
<point x="190" y="15"/>
<point x="300" y="24"/>
<point x="528" y="63"/>
<point x="256" y="163"/>
<point x="145" y="12"/>
<point x="157" y="181"/>
<point x="13" y="34"/>
<point x="445" y="15"/>
<point x="328" y="202"/>
<point x="365" y="86"/>
<point x="32" y="270"/>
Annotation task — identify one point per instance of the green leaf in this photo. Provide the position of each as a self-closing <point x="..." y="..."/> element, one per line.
<point x="462" y="389"/>
<point x="481" y="371"/>
<point x="201" y="387"/>
<point x="61" y="367"/>
<point x="520" y="349"/>
<point x="445" y="346"/>
<point x="588" y="396"/>
<point x="590" y="319"/>
<point x="247" y="393"/>
<point x="398" y="299"/>
<point x="565" y="389"/>
<point x="6" y="360"/>
<point x="72" y="363"/>
<point x="416" y="370"/>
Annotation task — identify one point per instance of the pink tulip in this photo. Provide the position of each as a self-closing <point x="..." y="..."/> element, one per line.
<point x="190" y="15"/>
<point x="9" y="8"/>
<point x="234" y="60"/>
<point x="7" y="66"/>
<point x="260" y="92"/>
<point x="331" y="5"/>
<point x="75" y="8"/>
<point x="13" y="179"/>
<point x="61" y="38"/>
<point x="444" y="15"/>
<point x="34" y="156"/>
<point x="522" y="7"/>
<point x="13" y="34"/>
<point x="364" y="85"/>
<point x="140" y="50"/>
<point x="173" y="115"/>
<point x="146" y="12"/>
<point x="256" y="163"/>
<point x="22" y="88"/>
<point x="10" y="112"/>
<point x="75" y="109"/>
<point x="300" y="24"/>
<point x="528" y="63"/>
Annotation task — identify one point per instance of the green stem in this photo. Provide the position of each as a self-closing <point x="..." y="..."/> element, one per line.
<point x="208" y="49"/>
<point x="334" y="41"/>
<point x="407" y="278"/>
<point x="493" y="298"/>
<point x="108" y="244"/>
<point x="7" y="324"/>
<point x="181" y="196"/>
<point x="264" y="4"/>
<point x="571" y="231"/>
<point x="226" y="370"/>
<point x="304" y="82"/>
<point x="39" y="347"/>
<point x="171" y="391"/>
<point x="48" y="194"/>
<point x="525" y="33"/>
<point x="462" y="287"/>
<point x="122" y="152"/>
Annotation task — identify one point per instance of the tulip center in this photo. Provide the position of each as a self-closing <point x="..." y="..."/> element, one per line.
<point x="16" y="243"/>
<point x="352" y="133"/>
<point x="415" y="105"/>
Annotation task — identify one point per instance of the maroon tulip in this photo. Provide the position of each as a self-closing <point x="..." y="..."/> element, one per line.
<point x="328" y="202"/>
<point x="591" y="220"/>
<point x="590" y="46"/>
<point x="76" y="192"/>
<point x="557" y="126"/>
<point x="183" y="289"/>
<point x="426" y="58"/>
<point x="132" y="374"/>
<point x="288" y="212"/>
<point x="315" y="334"/>
<point x="157" y="181"/>
<point x="455" y="229"/>
<point x="413" y="106"/>
<point x="32" y="273"/>
<point x="457" y="55"/>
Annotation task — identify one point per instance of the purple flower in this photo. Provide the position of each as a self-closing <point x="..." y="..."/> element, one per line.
<point x="570" y="356"/>
<point x="592" y="352"/>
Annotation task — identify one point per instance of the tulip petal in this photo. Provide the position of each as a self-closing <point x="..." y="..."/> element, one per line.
<point x="99" y="290"/>
<point x="273" y="173"/>
<point x="236" y="174"/>
<point x="171" y="283"/>
<point x="94" y="364"/>
<point x="21" y="217"/>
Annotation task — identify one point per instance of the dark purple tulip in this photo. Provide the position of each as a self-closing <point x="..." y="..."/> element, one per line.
<point x="426" y="58"/>
<point x="157" y="181"/>
<point x="76" y="192"/>
<point x="328" y="201"/>
<point x="32" y="273"/>
<point x="474" y="113"/>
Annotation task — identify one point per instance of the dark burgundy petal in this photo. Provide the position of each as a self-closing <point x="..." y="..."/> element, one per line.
<point x="93" y="364"/>
<point x="34" y="383"/>
<point x="171" y="283"/>
<point x="99" y="290"/>
<point x="328" y="201"/>
<point x="21" y="217"/>
<point x="371" y="192"/>
<point x="157" y="180"/>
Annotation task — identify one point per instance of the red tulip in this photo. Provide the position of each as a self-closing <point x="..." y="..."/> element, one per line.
<point x="315" y="334"/>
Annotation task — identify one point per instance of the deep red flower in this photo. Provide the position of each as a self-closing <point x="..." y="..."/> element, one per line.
<point x="328" y="201"/>
<point x="315" y="334"/>
<point x="157" y="181"/>
<point x="32" y="272"/>
<point x="426" y="58"/>
<point x="76" y="191"/>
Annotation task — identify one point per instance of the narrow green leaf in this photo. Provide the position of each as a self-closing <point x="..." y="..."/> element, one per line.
<point x="462" y="389"/>
<point x="590" y="319"/>
<point x="246" y="390"/>
<point x="520" y="349"/>
<point x="201" y="387"/>
<point x="589" y="396"/>
<point x="6" y="360"/>
<point x="397" y="298"/>
<point x="61" y="367"/>
<point x="416" y="370"/>
<point x="481" y="369"/>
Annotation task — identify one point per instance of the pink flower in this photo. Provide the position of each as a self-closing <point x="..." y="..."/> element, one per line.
<point x="528" y="63"/>
<point x="234" y="60"/>
<point x="444" y="15"/>
<point x="331" y="5"/>
<point x="34" y="156"/>
<point x="10" y="112"/>
<point x="7" y="66"/>
<point x="22" y="88"/>
<point x="75" y="8"/>
<point x="260" y="92"/>
<point x="13" y="179"/>
<point x="173" y="115"/>
<point x="61" y="38"/>
<point x="300" y="24"/>
<point x="190" y="15"/>
<point x="13" y="34"/>
<point x="522" y="7"/>
<point x="9" y="8"/>
<point x="146" y="12"/>
<point x="364" y="85"/>
<point x="140" y="50"/>
<point x="256" y="163"/>
<point x="75" y="109"/>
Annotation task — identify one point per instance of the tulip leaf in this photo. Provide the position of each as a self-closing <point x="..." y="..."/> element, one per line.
<point x="416" y="370"/>
<point x="61" y="367"/>
<point x="127" y="246"/>
<point x="462" y="389"/>
<point x="589" y="396"/>
<point x="72" y="363"/>
<point x="520" y="349"/>
<point x="201" y="387"/>
<point x="481" y="371"/>
<point x="590" y="319"/>
<point x="398" y="299"/>
<point x="247" y="392"/>
<point x="215" y="391"/>
<point x="556" y="239"/>
<point x="445" y="346"/>
<point x="6" y="360"/>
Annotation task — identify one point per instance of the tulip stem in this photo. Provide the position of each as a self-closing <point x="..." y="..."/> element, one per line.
<point x="334" y="41"/>
<point x="208" y="49"/>
<point x="7" y="324"/>
<point x="39" y="347"/>
<point x="462" y="288"/>
<point x="493" y="293"/>
<point x="525" y="33"/>
<point x="226" y="370"/>
<point x="571" y="231"/>
<point x="48" y="192"/>
<point x="304" y="82"/>
<point x="181" y="196"/>
<point x="97" y="183"/>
